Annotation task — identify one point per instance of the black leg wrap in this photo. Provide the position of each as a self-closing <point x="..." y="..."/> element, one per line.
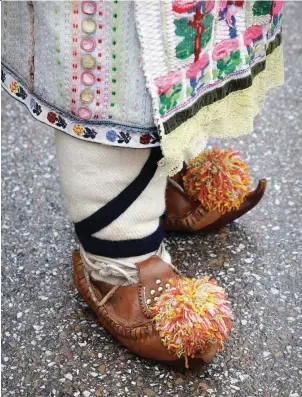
<point x="115" y="208"/>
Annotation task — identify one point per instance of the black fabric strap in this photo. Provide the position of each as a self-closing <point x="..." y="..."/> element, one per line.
<point x="123" y="248"/>
<point x="115" y="208"/>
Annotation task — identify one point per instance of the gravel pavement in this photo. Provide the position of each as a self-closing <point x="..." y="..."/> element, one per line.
<point x="52" y="345"/>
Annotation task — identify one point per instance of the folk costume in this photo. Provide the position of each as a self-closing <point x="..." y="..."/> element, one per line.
<point x="134" y="89"/>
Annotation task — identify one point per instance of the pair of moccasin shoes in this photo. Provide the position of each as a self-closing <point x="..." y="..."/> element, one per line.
<point x="129" y="312"/>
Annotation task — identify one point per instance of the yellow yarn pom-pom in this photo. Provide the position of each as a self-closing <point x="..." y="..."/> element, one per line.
<point x="191" y="314"/>
<point x="219" y="179"/>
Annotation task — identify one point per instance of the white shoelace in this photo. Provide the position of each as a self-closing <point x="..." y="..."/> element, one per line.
<point x="115" y="271"/>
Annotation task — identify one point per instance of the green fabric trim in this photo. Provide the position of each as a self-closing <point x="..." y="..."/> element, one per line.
<point x="221" y="92"/>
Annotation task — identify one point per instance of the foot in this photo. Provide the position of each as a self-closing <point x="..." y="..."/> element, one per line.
<point x="134" y="314"/>
<point x="185" y="214"/>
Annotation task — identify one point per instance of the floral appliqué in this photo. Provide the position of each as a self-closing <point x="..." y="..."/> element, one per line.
<point x="85" y="132"/>
<point x="36" y="107"/>
<point x="16" y="89"/>
<point x="56" y="119"/>
<point x="149" y="138"/>
<point x="169" y="99"/>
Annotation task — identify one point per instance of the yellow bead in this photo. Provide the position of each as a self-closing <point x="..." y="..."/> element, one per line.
<point x="88" y="62"/>
<point x="87" y="96"/>
<point x="88" y="25"/>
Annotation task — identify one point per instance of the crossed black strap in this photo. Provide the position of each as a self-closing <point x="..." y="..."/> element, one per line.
<point x="115" y="208"/>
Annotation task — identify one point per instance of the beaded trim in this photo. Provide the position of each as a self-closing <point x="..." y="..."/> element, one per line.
<point x="76" y="20"/>
<point x="105" y="132"/>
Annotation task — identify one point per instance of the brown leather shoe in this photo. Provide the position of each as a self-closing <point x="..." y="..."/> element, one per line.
<point x="185" y="214"/>
<point x="125" y="311"/>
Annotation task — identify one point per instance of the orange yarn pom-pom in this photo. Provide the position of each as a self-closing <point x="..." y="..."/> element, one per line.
<point x="219" y="179"/>
<point x="191" y="314"/>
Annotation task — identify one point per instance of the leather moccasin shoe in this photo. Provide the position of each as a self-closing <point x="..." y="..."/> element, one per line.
<point x="184" y="214"/>
<point x="126" y="312"/>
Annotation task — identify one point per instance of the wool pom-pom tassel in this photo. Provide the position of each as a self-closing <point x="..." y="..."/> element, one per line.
<point x="191" y="315"/>
<point x="219" y="179"/>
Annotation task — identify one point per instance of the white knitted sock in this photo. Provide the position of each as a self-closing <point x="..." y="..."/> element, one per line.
<point x="92" y="174"/>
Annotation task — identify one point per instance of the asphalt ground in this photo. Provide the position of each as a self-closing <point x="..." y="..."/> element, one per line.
<point x="52" y="345"/>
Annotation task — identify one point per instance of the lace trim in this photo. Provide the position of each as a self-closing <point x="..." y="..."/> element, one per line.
<point x="230" y="117"/>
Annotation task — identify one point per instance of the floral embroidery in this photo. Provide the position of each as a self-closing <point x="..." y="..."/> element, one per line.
<point x="276" y="7"/>
<point x="276" y="15"/>
<point x="85" y="132"/>
<point x="198" y="66"/>
<point x="17" y="90"/>
<point x="228" y="66"/>
<point x="154" y="138"/>
<point x="3" y="76"/>
<point x="99" y="132"/>
<point x="196" y="31"/>
<point x="169" y="99"/>
<point x="228" y="11"/>
<point x="196" y="73"/>
<point x="124" y="137"/>
<point x="36" y="107"/>
<point x="252" y="33"/>
<point x="111" y="135"/>
<point x="145" y="139"/>
<point x="164" y="83"/>
<point x="89" y="133"/>
<point x="14" y="87"/>
<point x="53" y="118"/>
<point x="225" y="48"/>
<point x="262" y="7"/>
<point x="78" y="129"/>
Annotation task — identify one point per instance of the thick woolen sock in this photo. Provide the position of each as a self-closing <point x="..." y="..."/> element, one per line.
<point x="92" y="175"/>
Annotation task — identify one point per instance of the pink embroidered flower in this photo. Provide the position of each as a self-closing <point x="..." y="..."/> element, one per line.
<point x="209" y="5"/>
<point x="164" y="83"/>
<point x="14" y="86"/>
<point x="181" y="6"/>
<point x="251" y="34"/>
<point x="78" y="129"/>
<point x="196" y="67"/>
<point x="276" y="7"/>
<point x="224" y="48"/>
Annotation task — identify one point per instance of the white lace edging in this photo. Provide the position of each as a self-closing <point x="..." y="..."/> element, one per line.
<point x="228" y="118"/>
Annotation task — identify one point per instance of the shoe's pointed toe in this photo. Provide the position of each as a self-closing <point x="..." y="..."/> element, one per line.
<point x="187" y="215"/>
<point x="252" y="199"/>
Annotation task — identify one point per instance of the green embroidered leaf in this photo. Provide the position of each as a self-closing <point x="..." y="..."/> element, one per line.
<point x="262" y="7"/>
<point x="207" y="33"/>
<point x="185" y="48"/>
<point x="169" y="99"/>
<point x="229" y="66"/>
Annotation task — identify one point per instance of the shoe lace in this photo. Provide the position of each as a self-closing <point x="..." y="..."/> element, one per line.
<point x="101" y="268"/>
